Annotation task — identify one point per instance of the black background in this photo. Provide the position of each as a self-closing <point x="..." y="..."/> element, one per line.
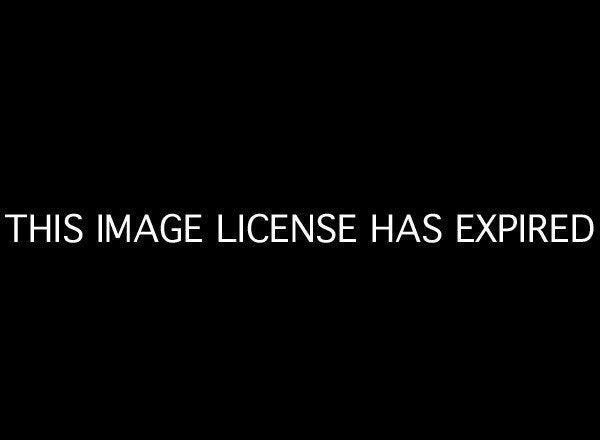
<point x="386" y="112"/>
